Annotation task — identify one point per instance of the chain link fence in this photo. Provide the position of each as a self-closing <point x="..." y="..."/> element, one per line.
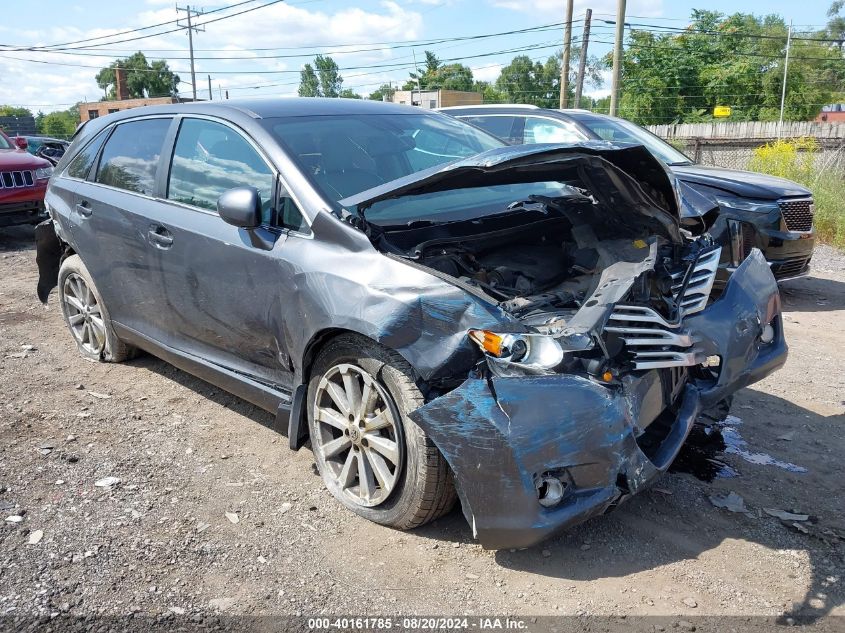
<point x="737" y="153"/>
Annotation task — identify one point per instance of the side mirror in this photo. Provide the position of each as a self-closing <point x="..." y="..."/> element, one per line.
<point x="240" y="207"/>
<point x="20" y="141"/>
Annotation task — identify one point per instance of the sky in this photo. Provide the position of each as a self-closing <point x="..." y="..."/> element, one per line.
<point x="260" y="52"/>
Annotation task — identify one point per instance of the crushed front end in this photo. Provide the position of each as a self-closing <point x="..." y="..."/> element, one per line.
<point x="611" y="343"/>
<point x="538" y="452"/>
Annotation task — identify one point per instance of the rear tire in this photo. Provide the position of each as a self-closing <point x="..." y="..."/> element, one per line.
<point x="406" y="481"/>
<point x="86" y="315"/>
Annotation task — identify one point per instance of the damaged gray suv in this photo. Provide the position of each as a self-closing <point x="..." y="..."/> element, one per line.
<point x="526" y="329"/>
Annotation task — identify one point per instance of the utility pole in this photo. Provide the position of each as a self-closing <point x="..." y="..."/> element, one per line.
<point x="191" y="29"/>
<point x="617" y="57"/>
<point x="785" y="71"/>
<point x="567" y="45"/>
<point x="209" y="88"/>
<point x="419" y="87"/>
<point x="582" y="62"/>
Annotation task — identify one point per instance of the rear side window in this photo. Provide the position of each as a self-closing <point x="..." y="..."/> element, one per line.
<point x="499" y="126"/>
<point x="539" y="130"/>
<point x="130" y="157"/>
<point x="210" y="158"/>
<point x="80" y="166"/>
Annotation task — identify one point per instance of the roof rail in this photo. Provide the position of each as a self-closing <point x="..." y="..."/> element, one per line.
<point x="493" y="106"/>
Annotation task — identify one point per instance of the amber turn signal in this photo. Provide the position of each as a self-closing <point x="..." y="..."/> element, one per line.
<point x="490" y="342"/>
<point x="607" y="376"/>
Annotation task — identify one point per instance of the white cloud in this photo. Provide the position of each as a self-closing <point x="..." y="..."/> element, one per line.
<point x="488" y="72"/>
<point x="280" y="27"/>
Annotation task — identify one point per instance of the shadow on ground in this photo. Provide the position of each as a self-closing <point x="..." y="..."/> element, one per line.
<point x="17" y="238"/>
<point x="813" y="294"/>
<point x="655" y="529"/>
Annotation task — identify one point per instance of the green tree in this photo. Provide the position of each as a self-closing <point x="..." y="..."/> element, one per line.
<point x="143" y="79"/>
<point x="423" y="77"/>
<point x="7" y="110"/>
<point x="735" y="60"/>
<point x="331" y="83"/>
<point x="527" y="81"/>
<point x="322" y="79"/>
<point x="309" y="84"/>
<point x="348" y="93"/>
<point x="384" y="90"/>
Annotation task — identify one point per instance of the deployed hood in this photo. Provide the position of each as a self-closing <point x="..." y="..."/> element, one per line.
<point x="745" y="184"/>
<point x="19" y="159"/>
<point x="529" y="163"/>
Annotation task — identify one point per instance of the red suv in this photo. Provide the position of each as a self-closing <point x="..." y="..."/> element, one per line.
<point x="23" y="181"/>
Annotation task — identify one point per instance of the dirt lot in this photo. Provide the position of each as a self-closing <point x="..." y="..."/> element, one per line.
<point x="160" y="544"/>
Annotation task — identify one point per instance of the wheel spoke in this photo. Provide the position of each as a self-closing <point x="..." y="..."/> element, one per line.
<point x="75" y="319"/>
<point x="86" y="333"/>
<point x="333" y="447"/>
<point x="331" y="417"/>
<point x="352" y="389"/>
<point x="369" y="396"/>
<point x="366" y="483"/>
<point x="350" y="469"/>
<point x="380" y="469"/>
<point x="75" y="303"/>
<point x="378" y="421"/>
<point x="385" y="446"/>
<point x="98" y="329"/>
<point x="338" y="397"/>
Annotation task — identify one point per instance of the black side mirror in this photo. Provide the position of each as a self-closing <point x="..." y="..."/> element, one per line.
<point x="240" y="207"/>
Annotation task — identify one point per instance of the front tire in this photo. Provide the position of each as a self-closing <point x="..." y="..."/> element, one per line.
<point x="86" y="315"/>
<point x="372" y="457"/>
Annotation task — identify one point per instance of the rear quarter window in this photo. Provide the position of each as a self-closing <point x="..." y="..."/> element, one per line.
<point x="81" y="165"/>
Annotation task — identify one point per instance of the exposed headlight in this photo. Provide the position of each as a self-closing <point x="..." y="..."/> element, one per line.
<point x="43" y="173"/>
<point x="529" y="351"/>
<point x="744" y="204"/>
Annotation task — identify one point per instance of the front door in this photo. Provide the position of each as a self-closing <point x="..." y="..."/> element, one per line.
<point x="218" y="294"/>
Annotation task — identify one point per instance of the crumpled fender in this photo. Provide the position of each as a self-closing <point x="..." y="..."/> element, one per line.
<point x="730" y="328"/>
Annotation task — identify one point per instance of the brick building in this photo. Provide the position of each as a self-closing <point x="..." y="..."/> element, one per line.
<point x="94" y="109"/>
<point x="430" y="99"/>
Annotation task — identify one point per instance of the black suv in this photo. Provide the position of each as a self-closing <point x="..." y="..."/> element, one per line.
<point x="772" y="214"/>
<point x="442" y="315"/>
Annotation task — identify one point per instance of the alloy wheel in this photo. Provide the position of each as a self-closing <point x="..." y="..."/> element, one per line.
<point x="83" y="314"/>
<point x="357" y="435"/>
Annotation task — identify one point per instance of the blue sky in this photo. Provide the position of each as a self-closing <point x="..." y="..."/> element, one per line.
<point x="305" y="27"/>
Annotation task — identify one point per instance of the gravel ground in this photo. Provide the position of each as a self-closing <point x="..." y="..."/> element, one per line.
<point x="213" y="516"/>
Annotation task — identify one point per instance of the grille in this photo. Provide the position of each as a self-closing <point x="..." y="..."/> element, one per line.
<point x="748" y="239"/>
<point x="790" y="267"/>
<point x="16" y="179"/>
<point x="700" y="283"/>
<point x="652" y="342"/>
<point x="797" y="214"/>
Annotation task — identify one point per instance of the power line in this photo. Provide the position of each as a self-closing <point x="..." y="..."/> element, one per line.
<point x="137" y="30"/>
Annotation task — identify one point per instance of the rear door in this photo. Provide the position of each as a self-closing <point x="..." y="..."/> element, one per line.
<point x="109" y="216"/>
<point x="217" y="288"/>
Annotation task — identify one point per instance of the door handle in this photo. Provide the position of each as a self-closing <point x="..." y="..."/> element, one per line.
<point x="84" y="209"/>
<point x="160" y="236"/>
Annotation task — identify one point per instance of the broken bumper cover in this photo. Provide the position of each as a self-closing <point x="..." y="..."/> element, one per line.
<point x="563" y="426"/>
<point x="503" y="435"/>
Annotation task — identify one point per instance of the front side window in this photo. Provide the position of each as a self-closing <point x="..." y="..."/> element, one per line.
<point x="80" y="166"/>
<point x="5" y="143"/>
<point x="130" y="157"/>
<point x="210" y="158"/>
<point x="539" y="130"/>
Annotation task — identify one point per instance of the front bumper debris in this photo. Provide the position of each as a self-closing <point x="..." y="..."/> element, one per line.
<point x="502" y="436"/>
